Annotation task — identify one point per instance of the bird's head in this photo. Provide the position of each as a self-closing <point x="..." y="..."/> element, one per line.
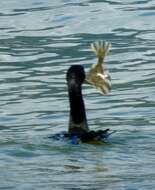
<point x="76" y="73"/>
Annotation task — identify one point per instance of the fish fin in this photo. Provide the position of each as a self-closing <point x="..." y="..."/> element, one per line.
<point x="101" y="48"/>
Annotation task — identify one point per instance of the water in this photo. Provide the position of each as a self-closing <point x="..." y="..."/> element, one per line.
<point x="39" y="40"/>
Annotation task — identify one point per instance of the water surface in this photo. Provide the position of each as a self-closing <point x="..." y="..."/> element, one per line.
<point x="39" y="40"/>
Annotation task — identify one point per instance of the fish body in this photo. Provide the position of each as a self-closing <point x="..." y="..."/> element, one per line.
<point x="98" y="76"/>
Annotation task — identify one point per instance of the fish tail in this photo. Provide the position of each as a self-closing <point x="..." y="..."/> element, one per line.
<point x="100" y="48"/>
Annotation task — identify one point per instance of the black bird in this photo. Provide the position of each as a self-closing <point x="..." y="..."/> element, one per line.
<point x="78" y="120"/>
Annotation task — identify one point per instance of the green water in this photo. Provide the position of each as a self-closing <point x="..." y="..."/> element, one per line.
<point x="39" y="40"/>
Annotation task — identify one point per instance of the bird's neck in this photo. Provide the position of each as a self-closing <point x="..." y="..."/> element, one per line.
<point x="78" y="120"/>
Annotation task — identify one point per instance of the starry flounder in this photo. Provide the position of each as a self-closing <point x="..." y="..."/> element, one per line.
<point x="98" y="76"/>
